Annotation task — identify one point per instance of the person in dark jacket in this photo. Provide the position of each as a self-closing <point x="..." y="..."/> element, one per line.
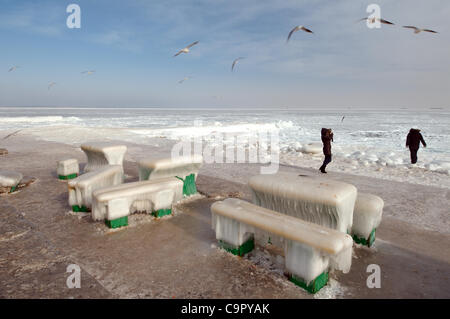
<point x="413" y="141"/>
<point x="327" y="138"/>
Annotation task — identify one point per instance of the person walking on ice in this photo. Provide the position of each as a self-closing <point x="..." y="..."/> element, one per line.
<point x="413" y="141"/>
<point x="327" y="138"/>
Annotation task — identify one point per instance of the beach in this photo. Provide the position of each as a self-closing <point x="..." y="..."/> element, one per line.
<point x="177" y="256"/>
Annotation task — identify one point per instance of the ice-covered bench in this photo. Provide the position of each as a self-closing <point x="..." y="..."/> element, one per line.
<point x="185" y="168"/>
<point x="82" y="187"/>
<point x="366" y="218"/>
<point x="115" y="203"/>
<point x="67" y="169"/>
<point x="102" y="154"/>
<point x="311" y="250"/>
<point x="9" y="181"/>
<point x="324" y="202"/>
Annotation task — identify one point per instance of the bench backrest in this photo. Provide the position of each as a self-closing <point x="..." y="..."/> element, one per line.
<point x="168" y="167"/>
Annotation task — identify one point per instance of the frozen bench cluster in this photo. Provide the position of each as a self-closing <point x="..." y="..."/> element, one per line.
<point x="101" y="189"/>
<point x="312" y="217"/>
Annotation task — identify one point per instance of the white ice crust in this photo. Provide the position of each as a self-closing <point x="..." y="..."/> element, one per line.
<point x="325" y="202"/>
<point x="367" y="214"/>
<point x="144" y="196"/>
<point x="310" y="249"/>
<point x="312" y="148"/>
<point x="102" y="154"/>
<point x="82" y="187"/>
<point x="10" y="178"/>
<point x="168" y="167"/>
<point x="67" y="167"/>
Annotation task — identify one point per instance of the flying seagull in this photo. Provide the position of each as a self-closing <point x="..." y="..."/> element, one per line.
<point x="186" y="49"/>
<point x="51" y="84"/>
<point x="417" y="30"/>
<point x="12" y="134"/>
<point x="88" y="72"/>
<point x="235" y="61"/>
<point x="13" y="68"/>
<point x="343" y="119"/>
<point x="186" y="78"/>
<point x="297" y="28"/>
<point x="372" y="20"/>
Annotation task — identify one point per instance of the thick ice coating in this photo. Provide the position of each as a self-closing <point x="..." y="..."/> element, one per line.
<point x="367" y="214"/>
<point x="10" y="178"/>
<point x="168" y="167"/>
<point x="312" y="148"/>
<point x="310" y="248"/>
<point x="101" y="154"/>
<point x="67" y="167"/>
<point x="82" y="187"/>
<point x="144" y="196"/>
<point x="325" y="202"/>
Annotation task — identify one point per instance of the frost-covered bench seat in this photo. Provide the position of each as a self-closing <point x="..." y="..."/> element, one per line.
<point x="67" y="169"/>
<point x="311" y="250"/>
<point x="9" y="181"/>
<point x="102" y="154"/>
<point x="366" y="218"/>
<point x="323" y="202"/>
<point x="184" y="167"/>
<point x="82" y="187"/>
<point x="114" y="204"/>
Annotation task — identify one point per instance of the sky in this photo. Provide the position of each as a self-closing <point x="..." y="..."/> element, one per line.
<point x="130" y="44"/>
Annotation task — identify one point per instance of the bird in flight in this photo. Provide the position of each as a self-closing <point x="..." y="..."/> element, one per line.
<point x="234" y="63"/>
<point x="13" y="68"/>
<point x="297" y="28"/>
<point x="186" y="49"/>
<point x="417" y="30"/>
<point x="186" y="78"/>
<point x="51" y="84"/>
<point x="372" y="20"/>
<point x="88" y="72"/>
<point x="343" y="119"/>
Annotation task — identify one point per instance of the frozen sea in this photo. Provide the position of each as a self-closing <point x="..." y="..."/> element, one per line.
<point x="365" y="140"/>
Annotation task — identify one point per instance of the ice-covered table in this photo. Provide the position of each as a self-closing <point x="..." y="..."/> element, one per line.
<point x="325" y="202"/>
<point x="185" y="168"/>
<point x="102" y="154"/>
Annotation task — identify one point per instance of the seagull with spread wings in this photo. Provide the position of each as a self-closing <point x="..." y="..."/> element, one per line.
<point x="297" y="28"/>
<point x="50" y="85"/>
<point x="234" y="63"/>
<point x="186" y="49"/>
<point x="13" y="68"/>
<point x="372" y="20"/>
<point x="88" y="72"/>
<point x="186" y="78"/>
<point x="418" y="30"/>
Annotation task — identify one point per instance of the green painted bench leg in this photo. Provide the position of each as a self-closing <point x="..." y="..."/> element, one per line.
<point x="162" y="212"/>
<point x="78" y="209"/>
<point x="116" y="223"/>
<point x="13" y="189"/>
<point x="365" y="241"/>
<point x="65" y="177"/>
<point x="240" y="250"/>
<point x="313" y="286"/>
<point x="189" y="187"/>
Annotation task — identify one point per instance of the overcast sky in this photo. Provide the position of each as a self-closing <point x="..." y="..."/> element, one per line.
<point x="130" y="44"/>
